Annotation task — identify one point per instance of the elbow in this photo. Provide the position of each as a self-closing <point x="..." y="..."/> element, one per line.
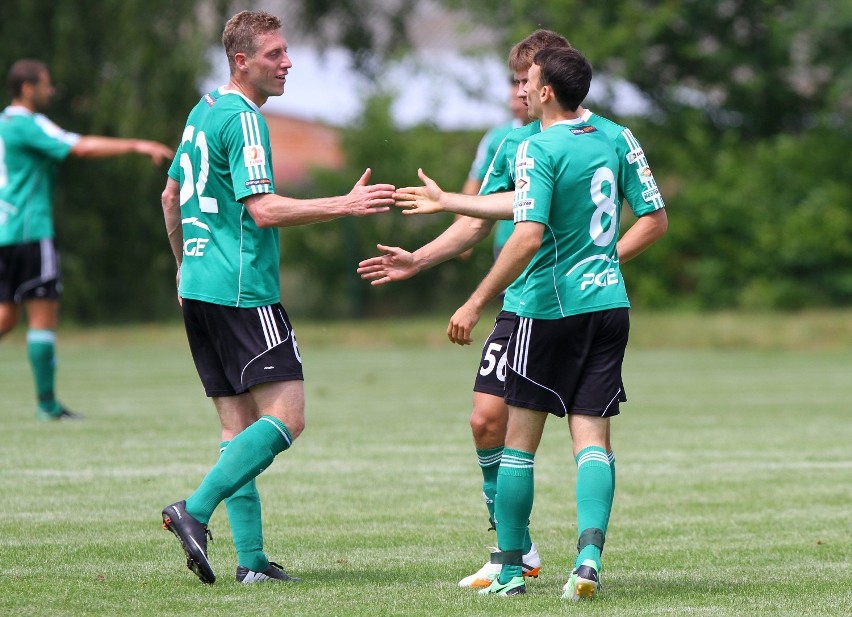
<point x="662" y="225"/>
<point x="81" y="150"/>
<point x="259" y="210"/>
<point x="261" y="218"/>
<point x="170" y="197"/>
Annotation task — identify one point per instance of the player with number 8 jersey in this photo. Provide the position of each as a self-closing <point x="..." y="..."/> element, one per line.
<point x="634" y="179"/>
<point x="566" y="181"/>
<point x="224" y="157"/>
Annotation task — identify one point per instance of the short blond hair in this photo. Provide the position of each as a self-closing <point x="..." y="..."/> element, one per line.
<point x="242" y="32"/>
<point x="522" y="54"/>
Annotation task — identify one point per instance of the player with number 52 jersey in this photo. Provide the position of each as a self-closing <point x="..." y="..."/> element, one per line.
<point x="224" y="156"/>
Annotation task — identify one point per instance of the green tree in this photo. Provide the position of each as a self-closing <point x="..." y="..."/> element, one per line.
<point x="123" y="68"/>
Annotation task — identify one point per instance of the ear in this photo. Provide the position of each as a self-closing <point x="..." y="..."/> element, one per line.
<point x="546" y="94"/>
<point x="241" y="60"/>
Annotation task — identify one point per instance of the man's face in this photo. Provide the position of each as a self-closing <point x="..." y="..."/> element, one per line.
<point x="517" y="105"/>
<point x="39" y="93"/>
<point x="533" y="92"/>
<point x="267" y="68"/>
<point x="521" y="78"/>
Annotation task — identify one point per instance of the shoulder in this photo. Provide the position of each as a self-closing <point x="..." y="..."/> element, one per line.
<point x="516" y="137"/>
<point x="618" y="133"/>
<point x="523" y="132"/>
<point x="610" y="127"/>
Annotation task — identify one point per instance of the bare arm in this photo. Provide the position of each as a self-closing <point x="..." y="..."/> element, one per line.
<point x="430" y="198"/>
<point x="396" y="264"/>
<point x="643" y="233"/>
<point x="270" y="210"/>
<point x="93" y="146"/>
<point x="171" y="212"/>
<point x="515" y="256"/>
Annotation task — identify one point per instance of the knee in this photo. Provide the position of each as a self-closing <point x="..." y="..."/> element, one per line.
<point x="295" y="426"/>
<point x="480" y="425"/>
<point x="488" y="423"/>
<point x="7" y="323"/>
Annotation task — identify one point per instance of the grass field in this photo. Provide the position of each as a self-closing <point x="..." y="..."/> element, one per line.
<point x="734" y="490"/>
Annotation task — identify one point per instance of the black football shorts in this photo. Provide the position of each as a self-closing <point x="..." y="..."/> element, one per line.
<point x="570" y="365"/>
<point x="237" y="348"/>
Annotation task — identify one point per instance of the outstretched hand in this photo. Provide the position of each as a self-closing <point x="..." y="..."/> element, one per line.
<point x="155" y="150"/>
<point x="424" y="199"/>
<point x="368" y="199"/>
<point x="395" y="264"/>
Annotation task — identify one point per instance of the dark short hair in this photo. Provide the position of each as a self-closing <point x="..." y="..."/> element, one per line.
<point x="521" y="55"/>
<point x="242" y="31"/>
<point x="566" y="71"/>
<point x="24" y="71"/>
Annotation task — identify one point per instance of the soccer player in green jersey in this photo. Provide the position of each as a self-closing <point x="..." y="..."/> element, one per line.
<point x="570" y="332"/>
<point x="488" y="146"/>
<point x="31" y="147"/>
<point x="635" y="182"/>
<point x="222" y="214"/>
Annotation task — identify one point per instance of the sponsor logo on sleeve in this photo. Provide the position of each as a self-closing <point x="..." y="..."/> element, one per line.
<point x="254" y="155"/>
<point x="258" y="182"/>
<point x="645" y="174"/>
<point x="525" y="163"/>
<point x="520" y="207"/>
<point x="522" y="184"/>
<point x="651" y="194"/>
<point x="634" y="155"/>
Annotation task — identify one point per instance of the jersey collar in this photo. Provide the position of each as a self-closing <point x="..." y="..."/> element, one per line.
<point x="17" y="110"/>
<point x="223" y="91"/>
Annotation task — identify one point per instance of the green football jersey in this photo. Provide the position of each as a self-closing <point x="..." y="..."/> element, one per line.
<point x="636" y="183"/>
<point x="488" y="147"/>
<point x="224" y="156"/>
<point x="31" y="147"/>
<point x="565" y="179"/>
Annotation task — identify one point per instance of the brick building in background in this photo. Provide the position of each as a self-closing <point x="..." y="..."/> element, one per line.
<point x="298" y="146"/>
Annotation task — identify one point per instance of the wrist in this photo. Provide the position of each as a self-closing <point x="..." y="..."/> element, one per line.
<point x="477" y="302"/>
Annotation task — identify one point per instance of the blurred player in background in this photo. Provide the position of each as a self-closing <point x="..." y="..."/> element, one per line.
<point x="488" y="146"/>
<point x="222" y="217"/>
<point x="490" y="412"/>
<point x="31" y="147"/>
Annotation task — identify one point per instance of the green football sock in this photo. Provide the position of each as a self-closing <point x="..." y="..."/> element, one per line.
<point x="248" y="454"/>
<point x="611" y="457"/>
<point x="489" y="463"/>
<point x="244" y="515"/>
<point x="41" y="349"/>
<point x="594" y="499"/>
<point x="515" y="492"/>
